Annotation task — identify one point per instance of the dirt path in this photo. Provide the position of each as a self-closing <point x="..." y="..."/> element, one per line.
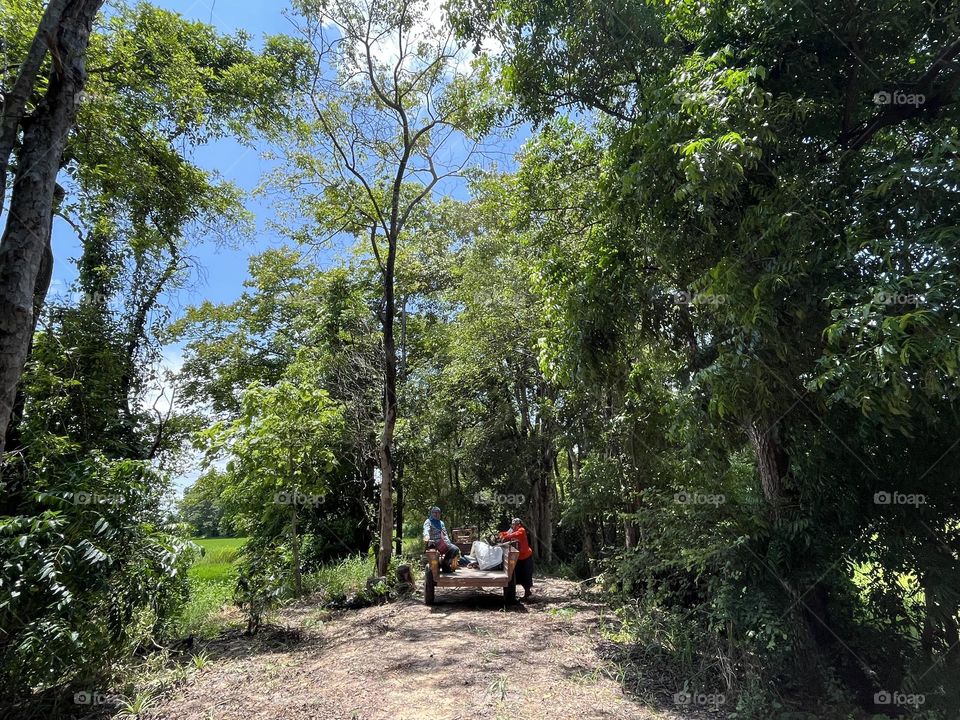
<point x="465" y="657"/>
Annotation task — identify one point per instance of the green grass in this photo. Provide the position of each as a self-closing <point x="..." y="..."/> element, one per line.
<point x="412" y="547"/>
<point x="220" y="543"/>
<point x="211" y="585"/>
<point x="200" y="613"/>
<point x="219" y="557"/>
<point x="212" y="580"/>
<point x="344" y="578"/>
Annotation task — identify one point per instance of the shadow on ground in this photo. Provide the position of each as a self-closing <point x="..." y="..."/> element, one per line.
<point x="393" y="662"/>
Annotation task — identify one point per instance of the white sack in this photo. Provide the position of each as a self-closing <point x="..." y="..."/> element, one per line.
<point x="487" y="556"/>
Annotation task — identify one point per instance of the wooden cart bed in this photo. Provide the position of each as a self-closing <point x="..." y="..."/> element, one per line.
<point x="469" y="577"/>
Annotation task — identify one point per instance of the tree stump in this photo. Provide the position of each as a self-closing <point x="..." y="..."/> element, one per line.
<point x="404" y="580"/>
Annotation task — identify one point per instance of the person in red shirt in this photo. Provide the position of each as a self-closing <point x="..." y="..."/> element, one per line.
<point x="523" y="572"/>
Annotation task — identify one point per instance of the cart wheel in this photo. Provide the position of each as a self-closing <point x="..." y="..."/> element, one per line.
<point x="429" y="587"/>
<point x="510" y="592"/>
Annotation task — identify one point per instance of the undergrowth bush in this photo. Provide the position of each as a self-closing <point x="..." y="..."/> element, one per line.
<point x="92" y="572"/>
<point x="339" y="580"/>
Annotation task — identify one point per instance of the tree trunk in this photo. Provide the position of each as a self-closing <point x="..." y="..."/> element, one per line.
<point x="389" y="413"/>
<point x="587" y="537"/>
<point x="773" y="464"/>
<point x="629" y="533"/>
<point x="294" y="540"/>
<point x="13" y="439"/>
<point x="401" y="378"/>
<point x="808" y="609"/>
<point x="136" y="336"/>
<point x="295" y="550"/>
<point x="561" y="481"/>
<point x="940" y="628"/>
<point x="15" y="101"/>
<point x="399" y="539"/>
<point x="29" y="219"/>
<point x="608" y="532"/>
<point x="546" y="529"/>
<point x="541" y="509"/>
<point x="456" y="475"/>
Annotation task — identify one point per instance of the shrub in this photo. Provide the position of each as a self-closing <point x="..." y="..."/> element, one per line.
<point x="92" y="571"/>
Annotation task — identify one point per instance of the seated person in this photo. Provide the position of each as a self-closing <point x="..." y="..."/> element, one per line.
<point x="435" y="535"/>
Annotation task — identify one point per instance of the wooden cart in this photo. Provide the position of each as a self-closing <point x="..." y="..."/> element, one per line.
<point x="463" y="538"/>
<point x="469" y="577"/>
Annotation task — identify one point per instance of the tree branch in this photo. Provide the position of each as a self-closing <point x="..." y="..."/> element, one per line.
<point x="15" y="101"/>
<point x="933" y="99"/>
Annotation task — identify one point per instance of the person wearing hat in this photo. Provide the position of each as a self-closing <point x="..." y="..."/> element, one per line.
<point x="435" y="535"/>
<point x="523" y="572"/>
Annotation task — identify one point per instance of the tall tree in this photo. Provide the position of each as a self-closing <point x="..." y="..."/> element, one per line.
<point x="87" y="541"/>
<point x="394" y="113"/>
<point x="806" y="221"/>
<point x="64" y="31"/>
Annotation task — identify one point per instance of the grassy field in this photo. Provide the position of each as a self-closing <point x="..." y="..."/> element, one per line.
<point x="211" y="584"/>
<point x="218" y="559"/>
<point x="220" y="544"/>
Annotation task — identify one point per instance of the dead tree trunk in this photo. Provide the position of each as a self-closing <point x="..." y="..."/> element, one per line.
<point x="29" y="219"/>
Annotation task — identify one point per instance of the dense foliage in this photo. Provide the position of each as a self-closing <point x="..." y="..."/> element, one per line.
<point x="700" y="332"/>
<point x="773" y="241"/>
<point x="94" y="567"/>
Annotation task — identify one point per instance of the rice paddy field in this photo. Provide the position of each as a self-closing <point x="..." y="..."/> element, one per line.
<point x="218" y="558"/>
<point x="211" y="584"/>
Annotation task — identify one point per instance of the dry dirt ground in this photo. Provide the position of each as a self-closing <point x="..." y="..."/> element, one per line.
<point x="465" y="657"/>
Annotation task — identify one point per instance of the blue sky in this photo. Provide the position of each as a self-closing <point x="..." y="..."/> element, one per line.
<point x="222" y="269"/>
